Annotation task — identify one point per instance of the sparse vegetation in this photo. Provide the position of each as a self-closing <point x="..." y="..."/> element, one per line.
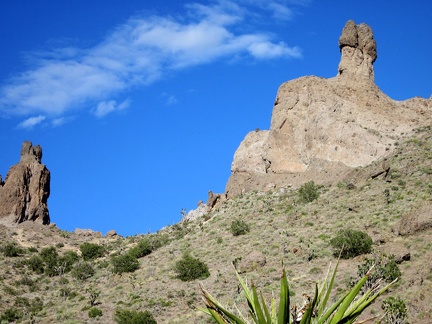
<point x="94" y="312"/>
<point x="124" y="263"/>
<point x="239" y="227"/>
<point x="282" y="227"/>
<point x="124" y="316"/>
<point x="349" y="243"/>
<point x="189" y="268"/>
<point x="309" y="192"/>
<point x="396" y="311"/>
<point x="91" y="251"/>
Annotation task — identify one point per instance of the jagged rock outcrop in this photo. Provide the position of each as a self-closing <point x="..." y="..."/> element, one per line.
<point x="323" y="128"/>
<point x="358" y="49"/>
<point x="25" y="191"/>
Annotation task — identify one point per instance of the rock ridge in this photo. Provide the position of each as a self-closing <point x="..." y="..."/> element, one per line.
<point x="322" y="128"/>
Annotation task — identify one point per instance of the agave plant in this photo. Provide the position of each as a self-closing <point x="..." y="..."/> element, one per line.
<point x="345" y="310"/>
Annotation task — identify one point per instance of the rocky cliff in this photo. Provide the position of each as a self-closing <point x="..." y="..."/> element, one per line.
<point x="25" y="191"/>
<point x="323" y="128"/>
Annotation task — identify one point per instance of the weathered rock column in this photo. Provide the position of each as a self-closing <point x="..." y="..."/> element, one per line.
<point x="25" y="191"/>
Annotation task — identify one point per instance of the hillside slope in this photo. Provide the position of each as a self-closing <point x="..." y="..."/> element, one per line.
<point x="281" y="228"/>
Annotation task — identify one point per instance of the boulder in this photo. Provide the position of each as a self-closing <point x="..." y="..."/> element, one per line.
<point x="251" y="262"/>
<point x="26" y="188"/>
<point x="419" y="219"/>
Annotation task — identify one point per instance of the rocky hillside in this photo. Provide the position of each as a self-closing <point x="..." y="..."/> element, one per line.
<point x="370" y="160"/>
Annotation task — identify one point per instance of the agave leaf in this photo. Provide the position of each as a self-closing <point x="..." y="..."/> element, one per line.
<point x="308" y="314"/>
<point x="215" y="308"/>
<point x="349" y="298"/>
<point x="258" y="312"/>
<point x="328" y="287"/>
<point x="284" y="300"/>
<point x="265" y="309"/>
<point x="350" y="317"/>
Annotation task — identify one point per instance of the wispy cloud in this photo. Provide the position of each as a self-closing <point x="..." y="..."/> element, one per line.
<point x="106" y="107"/>
<point x="31" y="122"/>
<point x="139" y="52"/>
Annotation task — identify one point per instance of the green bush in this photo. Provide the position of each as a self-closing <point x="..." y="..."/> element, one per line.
<point x="239" y="227"/>
<point x="67" y="260"/>
<point x="10" y="315"/>
<point x="189" y="268"/>
<point x="12" y="250"/>
<point x="49" y="256"/>
<point x="308" y="192"/>
<point x="124" y="263"/>
<point x="83" y="271"/>
<point x="124" y="316"/>
<point x="90" y="251"/>
<point x="396" y="311"/>
<point x="143" y="248"/>
<point x="350" y="243"/>
<point x="385" y="268"/>
<point x="36" y="264"/>
<point x="94" y="312"/>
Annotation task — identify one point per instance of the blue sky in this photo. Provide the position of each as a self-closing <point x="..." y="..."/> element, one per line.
<point x="139" y="106"/>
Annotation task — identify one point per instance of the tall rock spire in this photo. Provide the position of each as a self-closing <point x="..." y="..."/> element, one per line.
<point x="358" y="49"/>
<point x="25" y="191"/>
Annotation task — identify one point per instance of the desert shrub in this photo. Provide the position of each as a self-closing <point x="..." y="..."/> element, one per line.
<point x="350" y="243"/>
<point x="90" y="251"/>
<point x="49" y="256"/>
<point x="385" y="268"/>
<point x="143" y="248"/>
<point x="83" y="271"/>
<point x="239" y="227"/>
<point x="36" y="264"/>
<point x="36" y="305"/>
<point x="93" y="295"/>
<point x="94" y="312"/>
<point x="12" y="250"/>
<point x="68" y="259"/>
<point x="124" y="316"/>
<point x="10" y="315"/>
<point x="396" y="311"/>
<point x="189" y="268"/>
<point x="124" y="263"/>
<point x="308" y="192"/>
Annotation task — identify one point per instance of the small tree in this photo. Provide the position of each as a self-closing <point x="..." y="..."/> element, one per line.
<point x="90" y="251"/>
<point x="308" y="192"/>
<point x="11" y="250"/>
<point x="83" y="271"/>
<point x="349" y="243"/>
<point x="189" y="268"/>
<point x="49" y="256"/>
<point x="93" y="295"/>
<point x="239" y="227"/>
<point x="124" y="263"/>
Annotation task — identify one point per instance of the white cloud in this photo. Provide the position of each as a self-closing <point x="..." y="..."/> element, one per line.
<point x="31" y="122"/>
<point x="106" y="107"/>
<point x="139" y="52"/>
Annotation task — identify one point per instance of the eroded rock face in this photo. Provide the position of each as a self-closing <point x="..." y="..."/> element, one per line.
<point x="323" y="128"/>
<point x="25" y="191"/>
<point x="358" y="49"/>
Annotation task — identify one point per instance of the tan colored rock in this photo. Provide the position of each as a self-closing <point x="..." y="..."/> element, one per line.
<point x="417" y="220"/>
<point x="323" y="128"/>
<point x="251" y="262"/>
<point x="358" y="49"/>
<point x="111" y="233"/>
<point x="25" y="191"/>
